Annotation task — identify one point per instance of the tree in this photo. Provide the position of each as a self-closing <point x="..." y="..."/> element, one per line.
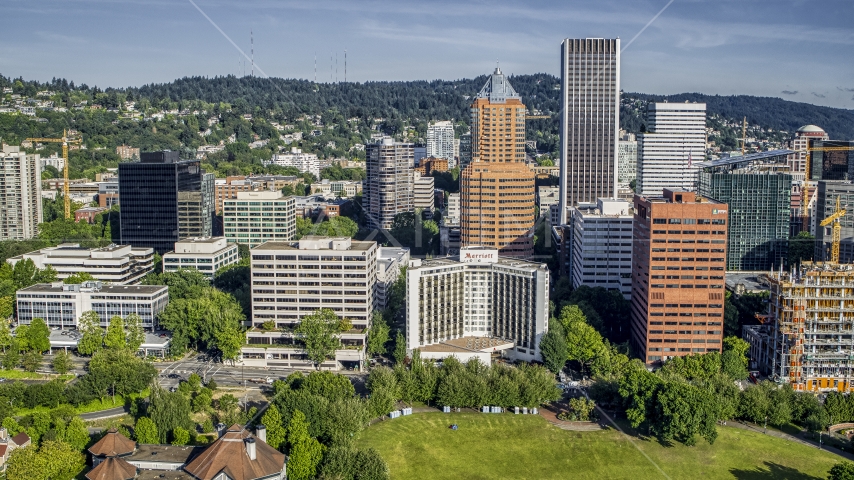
<point x="180" y="436"/>
<point x="304" y="459"/>
<point x="5" y="334"/>
<point x="54" y="460"/>
<point x="78" y="278"/>
<point x="318" y="332"/>
<point x="145" y="431"/>
<point x="62" y="363"/>
<point x="583" y="342"/>
<point x="32" y="361"/>
<point x="168" y="411"/>
<point x="331" y="386"/>
<point x="553" y="348"/>
<point x="76" y="434"/>
<point x="12" y="357"/>
<point x="734" y="358"/>
<point x="135" y="335"/>
<point x="115" y="337"/>
<point x="92" y="334"/>
<point x="841" y="471"/>
<point x="378" y="335"/>
<point x="276" y="431"/>
<point x="37" y="336"/>
<point x="399" y="348"/>
<point x="297" y="428"/>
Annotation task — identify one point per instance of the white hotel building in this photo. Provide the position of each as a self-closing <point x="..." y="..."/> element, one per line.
<point x="440" y="141"/>
<point x="476" y="305"/>
<point x="115" y="264"/>
<point x="293" y="279"/>
<point x="305" y="162"/>
<point x="672" y="147"/>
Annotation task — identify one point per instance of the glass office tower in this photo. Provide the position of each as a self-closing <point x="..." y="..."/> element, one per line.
<point x="150" y="192"/>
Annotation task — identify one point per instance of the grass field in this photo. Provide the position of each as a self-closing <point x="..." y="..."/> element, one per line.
<point x="527" y="447"/>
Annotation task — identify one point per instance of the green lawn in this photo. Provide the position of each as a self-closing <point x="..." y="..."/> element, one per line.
<point x="93" y="406"/>
<point x="22" y="375"/>
<point x="527" y="447"/>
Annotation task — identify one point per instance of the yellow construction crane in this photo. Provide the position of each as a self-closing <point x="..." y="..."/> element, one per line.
<point x="65" y="141"/>
<point x="805" y="192"/>
<point x="744" y="136"/>
<point x="837" y="231"/>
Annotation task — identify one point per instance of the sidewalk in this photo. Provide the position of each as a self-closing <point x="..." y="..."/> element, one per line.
<point x="804" y="441"/>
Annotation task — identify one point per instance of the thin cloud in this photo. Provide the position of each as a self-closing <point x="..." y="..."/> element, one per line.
<point x="818" y="95"/>
<point x="789" y="92"/>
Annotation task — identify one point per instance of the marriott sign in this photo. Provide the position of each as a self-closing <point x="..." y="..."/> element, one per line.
<point x="478" y="255"/>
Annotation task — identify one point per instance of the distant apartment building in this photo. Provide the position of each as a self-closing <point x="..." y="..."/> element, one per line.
<point x="477" y="304"/>
<point x="21" y="202"/>
<point x="206" y="254"/>
<point x="342" y="188"/>
<point x="322" y="206"/>
<point x="293" y="279"/>
<point x="227" y="189"/>
<point x="115" y="264"/>
<point x="600" y="246"/>
<point x="758" y="188"/>
<point x="497" y="187"/>
<point x="423" y="194"/>
<point x="452" y="215"/>
<point x="88" y="214"/>
<point x="127" y="153"/>
<point x="257" y="217"/>
<point x="388" y="188"/>
<point x="590" y="120"/>
<point x="432" y="164"/>
<point x="546" y="197"/>
<point x="150" y="192"/>
<point x="108" y="193"/>
<point x="390" y="262"/>
<point x="440" y="141"/>
<point x="54" y="161"/>
<point x="678" y="275"/>
<point x="62" y="305"/>
<point x="305" y="162"/>
<point x="801" y="145"/>
<point x="827" y="192"/>
<point x="671" y="148"/>
<point x="627" y="162"/>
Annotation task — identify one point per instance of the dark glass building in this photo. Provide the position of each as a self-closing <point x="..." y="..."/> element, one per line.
<point x="162" y="200"/>
<point x="757" y="189"/>
<point x="834" y="163"/>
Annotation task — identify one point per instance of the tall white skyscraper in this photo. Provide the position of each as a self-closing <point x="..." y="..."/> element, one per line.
<point x="21" y="202"/>
<point x="674" y="142"/>
<point x="590" y="120"/>
<point x="440" y="141"/>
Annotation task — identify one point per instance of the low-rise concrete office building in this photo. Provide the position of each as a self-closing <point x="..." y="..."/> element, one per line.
<point x="115" y="264"/>
<point x="207" y="255"/>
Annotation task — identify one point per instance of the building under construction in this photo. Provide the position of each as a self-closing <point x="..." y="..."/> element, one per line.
<point x="809" y="330"/>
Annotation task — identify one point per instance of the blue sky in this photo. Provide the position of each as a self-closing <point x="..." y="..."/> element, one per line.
<point x="800" y="50"/>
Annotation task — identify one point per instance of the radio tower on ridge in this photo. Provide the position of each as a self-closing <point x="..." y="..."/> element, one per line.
<point x="252" y="50"/>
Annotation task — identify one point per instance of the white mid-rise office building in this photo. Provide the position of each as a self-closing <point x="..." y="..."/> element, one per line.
<point x="440" y="141"/>
<point x="600" y="246"/>
<point x="62" y="305"/>
<point x="257" y="217"/>
<point x="305" y="162"/>
<point x="21" y="202"/>
<point x="627" y="162"/>
<point x="476" y="299"/>
<point x="205" y="254"/>
<point x="114" y="264"/>
<point x="293" y="279"/>
<point x="672" y="147"/>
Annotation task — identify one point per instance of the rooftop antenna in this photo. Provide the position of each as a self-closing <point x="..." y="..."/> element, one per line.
<point x="315" y="67"/>
<point x="252" y="50"/>
<point x="345" y="66"/>
<point x="330" y="68"/>
<point x="336" y="67"/>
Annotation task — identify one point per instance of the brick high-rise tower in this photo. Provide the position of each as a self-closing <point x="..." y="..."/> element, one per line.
<point x="497" y="188"/>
